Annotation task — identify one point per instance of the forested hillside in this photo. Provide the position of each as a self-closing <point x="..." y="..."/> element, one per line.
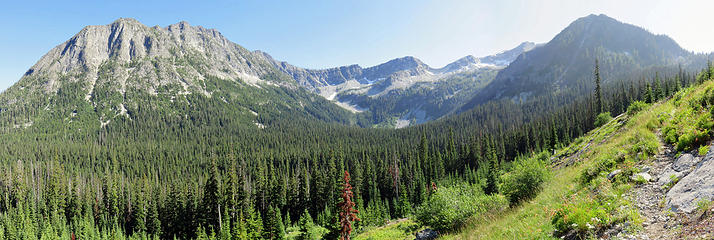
<point x="557" y="67"/>
<point x="198" y="145"/>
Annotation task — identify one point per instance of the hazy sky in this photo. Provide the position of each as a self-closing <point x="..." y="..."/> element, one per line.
<point x="320" y="34"/>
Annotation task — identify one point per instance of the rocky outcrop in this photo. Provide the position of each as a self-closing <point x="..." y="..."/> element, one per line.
<point x="678" y="169"/>
<point x="178" y="54"/>
<point x="695" y="186"/>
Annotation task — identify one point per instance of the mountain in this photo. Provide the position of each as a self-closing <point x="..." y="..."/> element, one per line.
<point x="403" y="91"/>
<point x="566" y="63"/>
<point x="118" y="70"/>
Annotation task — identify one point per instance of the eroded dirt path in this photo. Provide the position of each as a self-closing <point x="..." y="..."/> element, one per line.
<point x="649" y="198"/>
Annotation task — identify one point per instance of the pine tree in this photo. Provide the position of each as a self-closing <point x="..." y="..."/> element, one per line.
<point x="254" y="224"/>
<point x="274" y="228"/>
<point x="648" y="94"/>
<point x="212" y="199"/>
<point x="598" y="90"/>
<point x="305" y="225"/>
<point x="347" y="212"/>
<point x="492" y="167"/>
<point x="153" y="224"/>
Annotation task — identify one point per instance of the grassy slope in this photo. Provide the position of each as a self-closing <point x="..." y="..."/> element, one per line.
<point x="624" y="142"/>
<point x="532" y="220"/>
<point x="400" y="229"/>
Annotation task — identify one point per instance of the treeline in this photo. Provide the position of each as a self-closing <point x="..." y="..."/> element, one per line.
<point x="155" y="174"/>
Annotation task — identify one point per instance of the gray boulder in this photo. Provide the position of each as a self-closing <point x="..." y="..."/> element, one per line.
<point x="666" y="177"/>
<point x="695" y="187"/>
<point x="612" y="174"/>
<point x="685" y="162"/>
<point x="427" y="234"/>
<point x="646" y="176"/>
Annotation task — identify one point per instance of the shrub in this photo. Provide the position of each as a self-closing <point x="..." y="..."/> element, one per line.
<point x="636" y="107"/>
<point x="525" y="180"/>
<point x="585" y="213"/>
<point x="704" y="205"/>
<point x="602" y="118"/>
<point x="450" y="207"/>
<point x="703" y="150"/>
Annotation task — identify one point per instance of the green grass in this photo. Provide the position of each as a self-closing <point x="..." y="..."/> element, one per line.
<point x="582" y="190"/>
<point x="623" y="137"/>
<point x="400" y="229"/>
<point x="529" y="220"/>
<point x="620" y="144"/>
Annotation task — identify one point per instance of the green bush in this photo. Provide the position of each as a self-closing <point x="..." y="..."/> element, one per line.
<point x="636" y="107"/>
<point x="525" y="180"/>
<point x="602" y="118"/>
<point x="587" y="212"/>
<point x="703" y="150"/>
<point x="450" y="207"/>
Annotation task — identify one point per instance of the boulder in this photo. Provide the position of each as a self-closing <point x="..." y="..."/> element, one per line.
<point x="612" y="174"/>
<point x="695" y="187"/>
<point x="646" y="176"/>
<point x="685" y="162"/>
<point x="427" y="234"/>
<point x="665" y="177"/>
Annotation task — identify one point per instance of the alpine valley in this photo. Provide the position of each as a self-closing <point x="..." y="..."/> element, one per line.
<point x="127" y="131"/>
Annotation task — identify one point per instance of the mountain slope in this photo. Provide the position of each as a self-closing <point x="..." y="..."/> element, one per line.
<point x="566" y="62"/>
<point x="112" y="71"/>
<point x="405" y="90"/>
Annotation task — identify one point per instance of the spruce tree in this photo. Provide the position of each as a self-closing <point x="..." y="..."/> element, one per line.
<point x="211" y="204"/>
<point x="274" y="228"/>
<point x="492" y="181"/>
<point x="598" y="90"/>
<point x="305" y="225"/>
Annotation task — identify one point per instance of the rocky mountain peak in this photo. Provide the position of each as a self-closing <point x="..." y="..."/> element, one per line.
<point x="178" y="54"/>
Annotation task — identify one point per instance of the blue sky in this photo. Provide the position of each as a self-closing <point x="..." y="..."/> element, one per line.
<point x="320" y="34"/>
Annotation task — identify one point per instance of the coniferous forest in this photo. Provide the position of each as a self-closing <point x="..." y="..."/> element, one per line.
<point x="127" y="131"/>
<point x="211" y="177"/>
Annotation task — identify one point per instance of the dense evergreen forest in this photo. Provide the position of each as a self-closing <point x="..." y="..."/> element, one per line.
<point x="210" y="176"/>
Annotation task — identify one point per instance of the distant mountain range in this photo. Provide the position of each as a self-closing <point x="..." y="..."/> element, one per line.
<point x="566" y="63"/>
<point x="403" y="91"/>
<point x="106" y="73"/>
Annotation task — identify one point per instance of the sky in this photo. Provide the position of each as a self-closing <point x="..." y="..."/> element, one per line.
<point x="322" y="34"/>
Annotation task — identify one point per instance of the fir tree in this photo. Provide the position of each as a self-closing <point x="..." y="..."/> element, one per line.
<point x="274" y="228"/>
<point x="598" y="89"/>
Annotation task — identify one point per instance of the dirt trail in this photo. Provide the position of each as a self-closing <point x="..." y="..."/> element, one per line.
<point x="649" y="198"/>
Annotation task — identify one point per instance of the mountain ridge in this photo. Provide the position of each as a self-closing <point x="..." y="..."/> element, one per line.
<point x="567" y="60"/>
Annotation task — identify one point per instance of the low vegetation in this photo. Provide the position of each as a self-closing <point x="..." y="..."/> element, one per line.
<point x="525" y="180"/>
<point x="449" y="208"/>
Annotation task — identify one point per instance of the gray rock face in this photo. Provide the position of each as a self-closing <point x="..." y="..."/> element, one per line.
<point x="666" y="177"/>
<point x="679" y="168"/>
<point x="156" y="55"/>
<point x="685" y="162"/>
<point x="696" y="186"/>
